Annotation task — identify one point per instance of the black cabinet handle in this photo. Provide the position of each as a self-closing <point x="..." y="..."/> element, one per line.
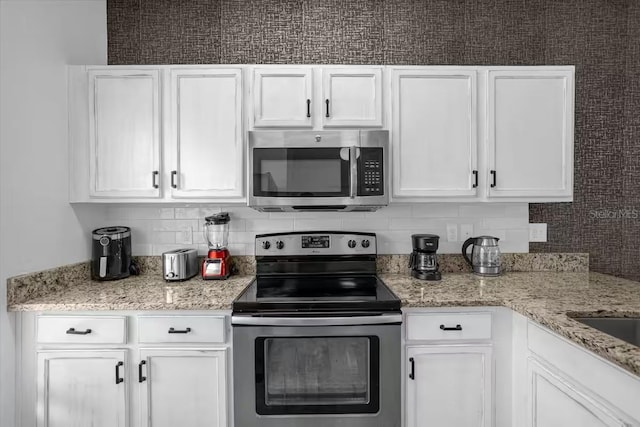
<point x="475" y="179"/>
<point x="456" y="328"/>
<point x="412" y="374"/>
<point x="118" y="379"/>
<point x="493" y="174"/>
<point x="179" y="331"/>
<point x="154" y="179"/>
<point x="308" y="108"/>
<point x="140" y="365"/>
<point x="72" y="331"/>
<point x="326" y="101"/>
<point x="174" y="175"/>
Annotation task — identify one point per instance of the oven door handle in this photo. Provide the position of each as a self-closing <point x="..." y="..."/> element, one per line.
<point x="383" y="319"/>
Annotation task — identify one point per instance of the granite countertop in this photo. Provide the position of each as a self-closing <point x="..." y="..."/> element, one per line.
<point x="543" y="296"/>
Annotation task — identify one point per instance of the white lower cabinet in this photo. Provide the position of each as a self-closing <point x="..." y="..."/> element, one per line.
<point x="128" y="369"/>
<point x="81" y="388"/>
<point x="557" y="402"/>
<point x="449" y="385"/>
<point x="183" y="387"/>
<point x="558" y="383"/>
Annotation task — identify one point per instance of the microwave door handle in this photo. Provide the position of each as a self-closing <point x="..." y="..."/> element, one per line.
<point x="353" y="163"/>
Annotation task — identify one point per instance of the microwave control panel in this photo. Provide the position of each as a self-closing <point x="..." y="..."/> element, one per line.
<point x="370" y="172"/>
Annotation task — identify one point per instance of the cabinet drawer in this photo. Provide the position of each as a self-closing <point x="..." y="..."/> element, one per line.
<point x="449" y="326"/>
<point x="181" y="329"/>
<point x="81" y="329"/>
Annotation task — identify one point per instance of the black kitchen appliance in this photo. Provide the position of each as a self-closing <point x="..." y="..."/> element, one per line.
<point x="423" y="260"/>
<point x="111" y="253"/>
<point x="316" y="335"/>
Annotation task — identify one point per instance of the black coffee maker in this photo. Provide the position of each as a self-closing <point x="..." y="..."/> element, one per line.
<point x="423" y="261"/>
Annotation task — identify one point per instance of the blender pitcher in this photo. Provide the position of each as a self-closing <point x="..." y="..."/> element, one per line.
<point x="217" y="263"/>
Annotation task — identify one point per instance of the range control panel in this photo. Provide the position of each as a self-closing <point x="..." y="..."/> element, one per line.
<point x="316" y="243"/>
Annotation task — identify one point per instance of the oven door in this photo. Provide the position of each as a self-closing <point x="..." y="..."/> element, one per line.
<point x="317" y="371"/>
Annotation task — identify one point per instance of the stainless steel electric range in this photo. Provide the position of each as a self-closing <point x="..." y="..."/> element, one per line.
<point x="316" y="335"/>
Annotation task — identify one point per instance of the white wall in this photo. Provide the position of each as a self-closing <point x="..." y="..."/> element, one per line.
<point x="158" y="229"/>
<point x="38" y="228"/>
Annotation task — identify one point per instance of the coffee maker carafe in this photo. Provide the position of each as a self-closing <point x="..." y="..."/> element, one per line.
<point x="485" y="255"/>
<point x="423" y="261"/>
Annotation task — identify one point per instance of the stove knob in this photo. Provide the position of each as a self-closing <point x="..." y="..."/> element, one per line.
<point x="266" y="245"/>
<point x="279" y="244"/>
<point x="351" y="243"/>
<point x="171" y="275"/>
<point x="365" y="243"/>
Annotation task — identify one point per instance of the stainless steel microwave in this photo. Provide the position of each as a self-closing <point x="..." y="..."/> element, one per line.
<point x="343" y="170"/>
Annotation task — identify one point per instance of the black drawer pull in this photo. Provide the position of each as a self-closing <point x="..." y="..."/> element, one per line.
<point x="179" y="331"/>
<point x="412" y="374"/>
<point x="456" y="328"/>
<point x="493" y="176"/>
<point x="308" y="108"/>
<point x="72" y="331"/>
<point x="140" y="377"/>
<point x="326" y="101"/>
<point x="475" y="179"/>
<point x="118" y="379"/>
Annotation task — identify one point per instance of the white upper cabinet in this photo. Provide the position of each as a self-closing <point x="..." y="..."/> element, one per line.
<point x="317" y="97"/>
<point x="124" y="133"/>
<point x="206" y="143"/>
<point x="283" y="97"/>
<point x="434" y="132"/>
<point x="156" y="133"/>
<point x="352" y="97"/>
<point x="529" y="133"/>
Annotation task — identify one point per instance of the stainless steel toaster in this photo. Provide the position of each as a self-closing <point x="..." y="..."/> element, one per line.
<point x="180" y="264"/>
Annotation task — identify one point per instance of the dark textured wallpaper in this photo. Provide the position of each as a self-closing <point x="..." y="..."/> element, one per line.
<point x="600" y="37"/>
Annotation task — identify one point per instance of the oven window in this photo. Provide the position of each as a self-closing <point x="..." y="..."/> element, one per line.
<point x="301" y="172"/>
<point x="302" y="375"/>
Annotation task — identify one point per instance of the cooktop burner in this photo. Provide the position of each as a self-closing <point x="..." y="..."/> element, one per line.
<point x="322" y="293"/>
<point x="334" y="274"/>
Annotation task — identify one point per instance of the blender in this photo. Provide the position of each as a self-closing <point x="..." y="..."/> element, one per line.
<point x="216" y="231"/>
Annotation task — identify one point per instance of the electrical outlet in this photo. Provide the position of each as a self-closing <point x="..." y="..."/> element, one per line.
<point x="538" y="232"/>
<point x="466" y="231"/>
<point x="452" y="232"/>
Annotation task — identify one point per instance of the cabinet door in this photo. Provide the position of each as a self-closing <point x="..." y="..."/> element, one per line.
<point x="82" y="388"/>
<point x="434" y="133"/>
<point x="206" y="134"/>
<point x="283" y="97"/>
<point x="183" y="388"/>
<point x="352" y="97"/>
<point x="530" y="134"/>
<point x="556" y="402"/>
<point x="124" y="139"/>
<point x="451" y="386"/>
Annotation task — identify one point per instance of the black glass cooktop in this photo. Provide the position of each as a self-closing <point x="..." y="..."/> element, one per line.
<point x="316" y="293"/>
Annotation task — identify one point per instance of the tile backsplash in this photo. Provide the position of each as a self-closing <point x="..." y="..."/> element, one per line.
<point x="158" y="229"/>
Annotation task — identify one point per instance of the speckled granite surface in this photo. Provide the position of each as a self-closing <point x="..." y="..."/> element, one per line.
<point x="544" y="296"/>
<point x="455" y="263"/>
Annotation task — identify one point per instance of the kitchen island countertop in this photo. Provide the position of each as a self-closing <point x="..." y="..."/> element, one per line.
<point x="545" y="297"/>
